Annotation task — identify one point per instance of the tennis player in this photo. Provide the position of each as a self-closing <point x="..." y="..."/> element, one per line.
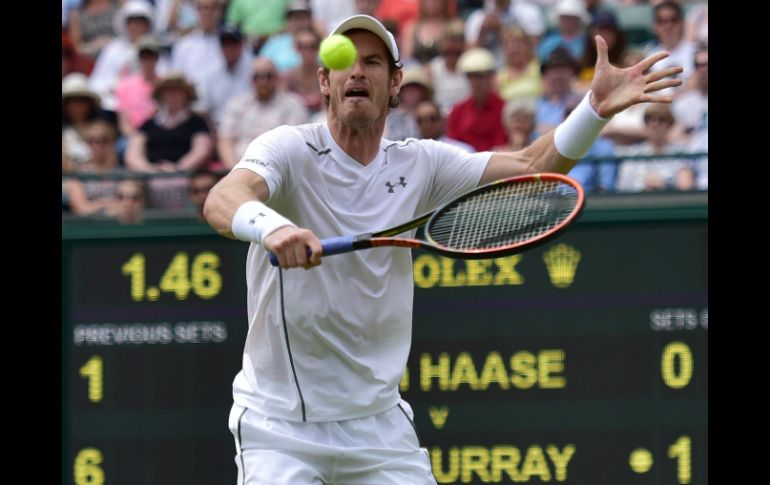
<point x="317" y="400"/>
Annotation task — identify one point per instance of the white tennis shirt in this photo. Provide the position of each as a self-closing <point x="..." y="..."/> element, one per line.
<point x="331" y="343"/>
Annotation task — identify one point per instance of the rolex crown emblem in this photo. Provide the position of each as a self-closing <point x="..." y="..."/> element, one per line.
<point x="561" y="261"/>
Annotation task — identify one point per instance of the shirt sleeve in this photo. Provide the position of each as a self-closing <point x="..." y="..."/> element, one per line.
<point x="268" y="155"/>
<point x="455" y="172"/>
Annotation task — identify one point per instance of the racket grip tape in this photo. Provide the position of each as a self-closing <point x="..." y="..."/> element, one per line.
<point x="331" y="246"/>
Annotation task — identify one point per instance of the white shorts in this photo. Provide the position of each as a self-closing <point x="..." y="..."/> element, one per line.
<point x="377" y="450"/>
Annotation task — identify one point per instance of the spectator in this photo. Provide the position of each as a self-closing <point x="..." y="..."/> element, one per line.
<point x="697" y="24"/>
<point x="365" y="7"/>
<point x="420" y="39"/>
<point x="80" y="106"/>
<point x="71" y="60"/>
<point x="478" y="120"/>
<point x="692" y="105"/>
<point x="175" y="139"/>
<point x="656" y="174"/>
<point x="669" y="32"/>
<point x="329" y="13"/>
<point x="174" y="19"/>
<point x="595" y="7"/>
<point x="195" y="53"/>
<point x="68" y="6"/>
<point x="450" y="84"/>
<point x="280" y="47"/>
<point x="257" y="19"/>
<point x="131" y="201"/>
<point x="431" y="122"/>
<point x="119" y="57"/>
<point x="415" y="88"/>
<point x="520" y="75"/>
<point x="228" y="79"/>
<point x="700" y="144"/>
<point x="559" y="72"/>
<point x="134" y="93"/>
<point x="303" y="79"/>
<point x="484" y="27"/>
<point x="571" y="17"/>
<point x="399" y="13"/>
<point x="519" y="121"/>
<point x="249" y="115"/>
<point x="606" y="25"/>
<point x="200" y="183"/>
<point x="91" y="26"/>
<point x="96" y="195"/>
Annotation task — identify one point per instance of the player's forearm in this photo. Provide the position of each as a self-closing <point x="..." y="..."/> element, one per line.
<point x="228" y="195"/>
<point x="558" y="150"/>
<point x="540" y="156"/>
<point x="546" y="157"/>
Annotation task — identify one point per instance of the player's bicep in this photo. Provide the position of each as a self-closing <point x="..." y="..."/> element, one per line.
<point x="254" y="183"/>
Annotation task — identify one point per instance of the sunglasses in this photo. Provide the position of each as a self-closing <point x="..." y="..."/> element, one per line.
<point x="131" y="197"/>
<point x="427" y="119"/>
<point x="263" y="75"/>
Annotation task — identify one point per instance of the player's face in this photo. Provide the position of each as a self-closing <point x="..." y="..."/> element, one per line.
<point x="359" y="95"/>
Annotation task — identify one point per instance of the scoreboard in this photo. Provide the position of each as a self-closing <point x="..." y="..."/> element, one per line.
<point x="584" y="361"/>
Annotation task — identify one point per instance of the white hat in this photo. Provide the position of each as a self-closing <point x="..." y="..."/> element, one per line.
<point x="476" y="59"/>
<point x="574" y="8"/>
<point x="75" y="85"/>
<point x="374" y="26"/>
<point x="132" y="8"/>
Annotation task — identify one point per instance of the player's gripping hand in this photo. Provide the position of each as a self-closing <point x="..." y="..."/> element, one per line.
<point x="290" y="245"/>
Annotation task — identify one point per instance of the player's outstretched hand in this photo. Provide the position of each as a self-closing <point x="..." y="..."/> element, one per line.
<point x="614" y="89"/>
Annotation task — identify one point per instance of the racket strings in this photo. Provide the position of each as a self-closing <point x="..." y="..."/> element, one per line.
<point x="504" y="215"/>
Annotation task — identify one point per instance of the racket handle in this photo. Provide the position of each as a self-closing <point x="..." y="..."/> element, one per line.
<point x="331" y="246"/>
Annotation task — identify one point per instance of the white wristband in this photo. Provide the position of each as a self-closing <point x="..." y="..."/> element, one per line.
<point x="575" y="135"/>
<point x="254" y="221"/>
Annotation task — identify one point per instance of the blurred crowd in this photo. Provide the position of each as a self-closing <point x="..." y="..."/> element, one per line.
<point x="160" y="98"/>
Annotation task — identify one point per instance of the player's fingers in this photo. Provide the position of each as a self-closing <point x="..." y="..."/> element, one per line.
<point x="282" y="261"/>
<point x="663" y="73"/>
<point x="665" y="83"/>
<point x="299" y="252"/>
<point x="601" y="50"/>
<point x="316" y="251"/>
<point x="651" y="60"/>
<point x="648" y="98"/>
<point x="291" y="257"/>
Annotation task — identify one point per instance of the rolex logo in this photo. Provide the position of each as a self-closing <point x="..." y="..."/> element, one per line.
<point x="561" y="261"/>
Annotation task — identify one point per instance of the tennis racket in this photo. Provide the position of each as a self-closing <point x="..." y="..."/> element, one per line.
<point x="500" y="218"/>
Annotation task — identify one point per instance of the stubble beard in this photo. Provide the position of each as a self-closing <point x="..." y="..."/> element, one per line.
<point x="358" y="119"/>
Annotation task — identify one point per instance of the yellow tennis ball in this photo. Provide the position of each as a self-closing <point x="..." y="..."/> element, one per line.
<point x="338" y="52"/>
